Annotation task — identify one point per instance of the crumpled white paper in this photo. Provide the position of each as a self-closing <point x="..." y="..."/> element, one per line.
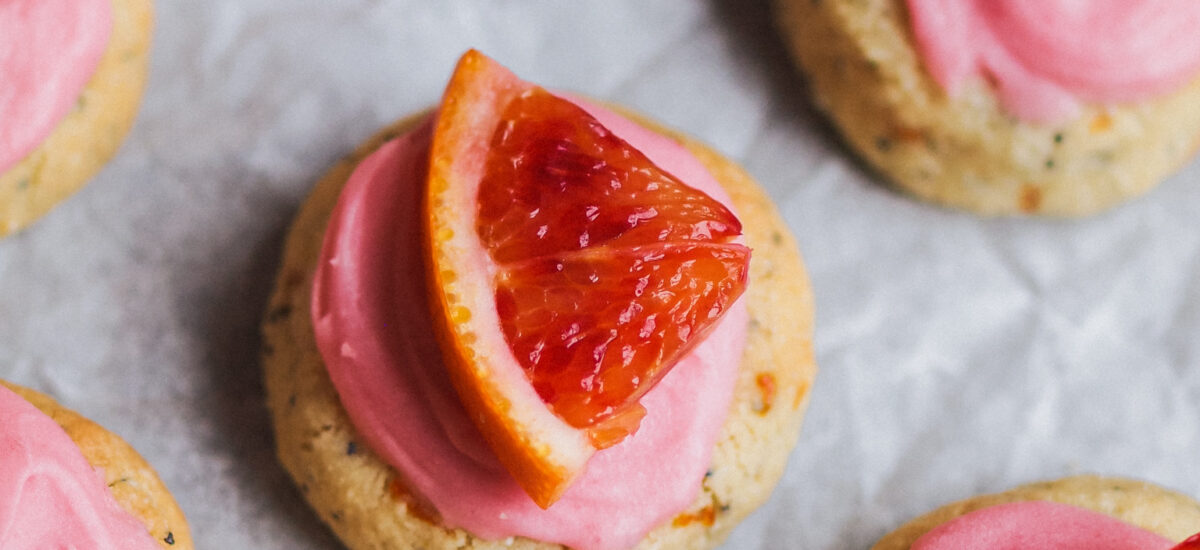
<point x="958" y="355"/>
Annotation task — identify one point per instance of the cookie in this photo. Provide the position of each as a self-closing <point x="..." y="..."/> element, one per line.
<point x="365" y="502"/>
<point x="1142" y="504"/>
<point x="133" y="483"/>
<point x="93" y="130"/>
<point x="965" y="150"/>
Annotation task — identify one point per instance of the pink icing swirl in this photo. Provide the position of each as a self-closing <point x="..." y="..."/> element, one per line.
<point x="50" y="497"/>
<point x="1038" y="524"/>
<point x="1048" y="56"/>
<point x="373" y="329"/>
<point x="49" y="49"/>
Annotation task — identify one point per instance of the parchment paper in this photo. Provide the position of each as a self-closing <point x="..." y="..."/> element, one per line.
<point x="958" y="355"/>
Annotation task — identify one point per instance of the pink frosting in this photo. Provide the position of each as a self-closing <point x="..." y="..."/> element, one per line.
<point x="50" y="497"/>
<point x="49" y="49"/>
<point x="1038" y="524"/>
<point x="1048" y="56"/>
<point x="374" y="332"/>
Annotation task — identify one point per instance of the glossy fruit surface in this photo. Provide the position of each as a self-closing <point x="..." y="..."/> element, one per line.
<point x="567" y="272"/>
<point x="609" y="269"/>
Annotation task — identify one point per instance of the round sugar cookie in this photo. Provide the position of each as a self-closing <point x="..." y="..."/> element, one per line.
<point x="1153" y="508"/>
<point x="92" y="132"/>
<point x="132" y="482"/>
<point x="967" y="151"/>
<point x="361" y="498"/>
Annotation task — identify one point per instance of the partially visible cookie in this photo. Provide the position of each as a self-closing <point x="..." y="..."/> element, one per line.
<point x="1167" y="513"/>
<point x="93" y="131"/>
<point x="966" y="151"/>
<point x="132" y="482"/>
<point x="364" y="501"/>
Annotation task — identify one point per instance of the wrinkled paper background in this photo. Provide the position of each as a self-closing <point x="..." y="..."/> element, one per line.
<point x="958" y="355"/>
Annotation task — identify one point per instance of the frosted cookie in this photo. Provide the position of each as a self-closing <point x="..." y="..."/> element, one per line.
<point x="69" y="483"/>
<point x="1007" y="107"/>
<point x="73" y="73"/>
<point x="1083" y="512"/>
<point x="370" y="425"/>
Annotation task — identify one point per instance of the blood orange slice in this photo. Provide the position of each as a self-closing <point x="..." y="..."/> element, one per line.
<point x="567" y="272"/>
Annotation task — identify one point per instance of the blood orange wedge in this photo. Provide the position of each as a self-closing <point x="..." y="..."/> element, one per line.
<point x="568" y="273"/>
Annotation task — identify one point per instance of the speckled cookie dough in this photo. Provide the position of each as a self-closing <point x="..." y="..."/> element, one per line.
<point x="364" y="502"/>
<point x="83" y="142"/>
<point x="967" y="152"/>
<point x="1145" y="505"/>
<point x="131" y="480"/>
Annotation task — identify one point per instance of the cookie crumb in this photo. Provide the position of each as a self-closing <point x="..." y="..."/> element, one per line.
<point x="1102" y="123"/>
<point x="767" y="387"/>
<point x="906" y="134"/>
<point x="1030" y="200"/>
<point x="706" y="517"/>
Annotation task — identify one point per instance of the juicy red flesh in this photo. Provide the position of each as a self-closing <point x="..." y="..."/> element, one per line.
<point x="1192" y="543"/>
<point x="610" y="269"/>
